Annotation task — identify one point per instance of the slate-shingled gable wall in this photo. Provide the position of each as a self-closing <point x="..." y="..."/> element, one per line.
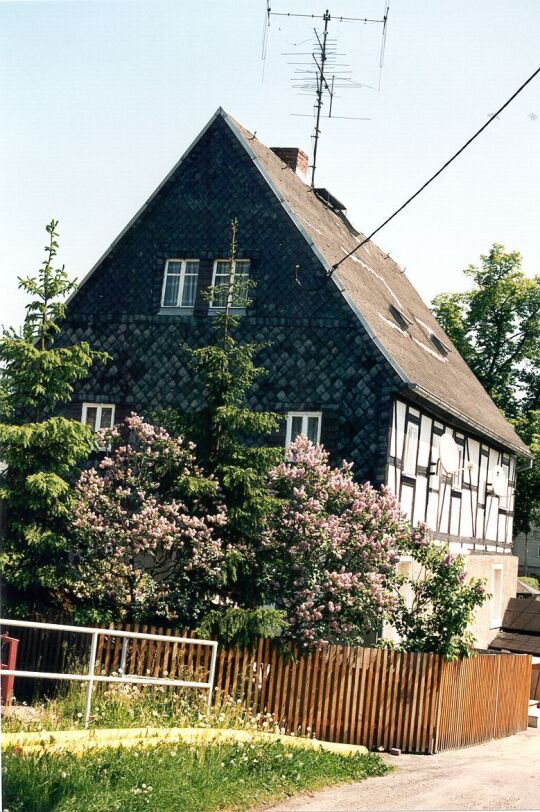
<point x="319" y="358"/>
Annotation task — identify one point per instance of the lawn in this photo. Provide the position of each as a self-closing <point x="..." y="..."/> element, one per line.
<point x="174" y="778"/>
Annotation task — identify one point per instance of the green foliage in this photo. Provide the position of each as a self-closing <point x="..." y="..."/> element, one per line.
<point x="496" y="327"/>
<point x="42" y="456"/>
<point x="496" y="324"/>
<point x="527" y="509"/>
<point x="243" y="626"/>
<point x="227" y="434"/>
<point x="528" y="579"/>
<point x="173" y="777"/>
<point x="436" y="604"/>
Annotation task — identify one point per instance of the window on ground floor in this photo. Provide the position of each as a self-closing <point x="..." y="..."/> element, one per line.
<point x="308" y="423"/>
<point x="496" y="595"/>
<point x="98" y="415"/>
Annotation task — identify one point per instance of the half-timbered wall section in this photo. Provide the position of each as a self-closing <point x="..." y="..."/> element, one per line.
<point x="462" y="507"/>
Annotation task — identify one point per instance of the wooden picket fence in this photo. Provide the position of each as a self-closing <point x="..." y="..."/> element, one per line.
<point x="535" y="682"/>
<point x="380" y="698"/>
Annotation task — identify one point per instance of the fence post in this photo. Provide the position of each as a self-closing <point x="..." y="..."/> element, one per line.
<point x="497" y="696"/>
<point x="212" y="674"/>
<point x="91" y="672"/>
<point x="123" y="656"/>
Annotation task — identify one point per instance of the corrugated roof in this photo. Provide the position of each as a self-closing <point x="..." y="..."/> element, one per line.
<point x="372" y="282"/>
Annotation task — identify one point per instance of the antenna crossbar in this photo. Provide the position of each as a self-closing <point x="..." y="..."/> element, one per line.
<point x="322" y="76"/>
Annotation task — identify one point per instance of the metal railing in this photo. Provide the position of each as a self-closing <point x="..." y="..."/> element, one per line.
<point x="91" y="677"/>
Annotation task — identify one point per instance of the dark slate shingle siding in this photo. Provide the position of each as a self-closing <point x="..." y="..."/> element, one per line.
<point x="319" y="358"/>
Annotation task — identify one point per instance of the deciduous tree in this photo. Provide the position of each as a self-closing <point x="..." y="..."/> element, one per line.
<point x="149" y="539"/>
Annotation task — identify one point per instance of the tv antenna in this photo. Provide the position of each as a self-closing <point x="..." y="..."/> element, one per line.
<point x="322" y="75"/>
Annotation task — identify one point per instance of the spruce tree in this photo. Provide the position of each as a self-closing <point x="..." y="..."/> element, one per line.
<point x="40" y="451"/>
<point x="228" y="434"/>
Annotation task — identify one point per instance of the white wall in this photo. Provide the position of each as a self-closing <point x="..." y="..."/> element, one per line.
<point x="465" y="506"/>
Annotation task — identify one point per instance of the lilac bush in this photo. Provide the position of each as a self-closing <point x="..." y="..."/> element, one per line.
<point x="332" y="554"/>
<point x="148" y="527"/>
<point x="332" y="549"/>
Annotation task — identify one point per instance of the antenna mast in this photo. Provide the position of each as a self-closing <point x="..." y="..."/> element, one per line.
<point x="322" y="74"/>
<point x="321" y="87"/>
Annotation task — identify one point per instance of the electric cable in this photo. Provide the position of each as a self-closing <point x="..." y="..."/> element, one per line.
<point x="436" y="175"/>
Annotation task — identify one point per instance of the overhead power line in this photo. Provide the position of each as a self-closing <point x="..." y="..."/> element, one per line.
<point x="436" y="175"/>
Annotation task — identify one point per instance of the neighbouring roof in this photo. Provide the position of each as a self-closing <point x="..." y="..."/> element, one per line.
<point x="526" y="589"/>
<point x="520" y="630"/>
<point x="372" y="282"/>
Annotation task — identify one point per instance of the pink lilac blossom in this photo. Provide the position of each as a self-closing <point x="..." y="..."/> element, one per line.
<point x="146" y="551"/>
<point x="333" y="547"/>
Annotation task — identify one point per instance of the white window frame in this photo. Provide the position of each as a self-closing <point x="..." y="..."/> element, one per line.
<point x="457" y="478"/>
<point x="496" y="602"/>
<point x="411" y="424"/>
<point x="304" y="416"/>
<point x="405" y="563"/>
<point x="234" y="263"/>
<point x="181" y="283"/>
<point x="99" y="407"/>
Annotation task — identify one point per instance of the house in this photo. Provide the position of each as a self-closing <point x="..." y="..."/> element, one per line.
<point x="356" y="359"/>
<point x="527" y="549"/>
<point x="525" y="591"/>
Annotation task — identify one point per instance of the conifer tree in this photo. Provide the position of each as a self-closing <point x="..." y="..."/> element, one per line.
<point x="40" y="451"/>
<point x="228" y="434"/>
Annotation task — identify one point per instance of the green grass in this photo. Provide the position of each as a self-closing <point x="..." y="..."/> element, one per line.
<point x="174" y="778"/>
<point x="134" y="706"/>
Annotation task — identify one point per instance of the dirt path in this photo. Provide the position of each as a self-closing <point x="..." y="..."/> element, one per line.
<point x="503" y="774"/>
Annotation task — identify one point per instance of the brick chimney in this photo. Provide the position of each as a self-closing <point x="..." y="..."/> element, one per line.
<point x="295" y="158"/>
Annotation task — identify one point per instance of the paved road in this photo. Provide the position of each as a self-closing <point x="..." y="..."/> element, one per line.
<point x="503" y="774"/>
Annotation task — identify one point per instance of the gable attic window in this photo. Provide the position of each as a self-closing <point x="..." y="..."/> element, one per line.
<point x="98" y="415"/>
<point x="226" y="272"/>
<point x="180" y="283"/>
<point x="440" y="345"/>
<point x="307" y="423"/>
<point x="400" y="317"/>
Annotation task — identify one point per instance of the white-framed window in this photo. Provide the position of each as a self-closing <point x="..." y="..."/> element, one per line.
<point x="411" y="449"/>
<point x="98" y="415"/>
<point x="180" y="283"/>
<point x="496" y="595"/>
<point x="308" y="423"/>
<point x="226" y="272"/>
<point x="404" y="568"/>
<point x="457" y="478"/>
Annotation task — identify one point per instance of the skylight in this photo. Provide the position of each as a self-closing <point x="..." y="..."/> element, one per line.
<point x="440" y="345"/>
<point x="400" y="317"/>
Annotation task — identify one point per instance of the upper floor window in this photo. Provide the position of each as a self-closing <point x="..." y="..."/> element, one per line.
<point x="308" y="423"/>
<point x="98" y="415"/>
<point x="180" y="283"/>
<point x="227" y="272"/>
<point x="411" y="448"/>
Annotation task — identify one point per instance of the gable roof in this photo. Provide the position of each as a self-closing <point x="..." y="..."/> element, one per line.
<point x="371" y="282"/>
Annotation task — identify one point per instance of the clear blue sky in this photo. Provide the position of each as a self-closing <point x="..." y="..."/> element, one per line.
<point x="100" y="99"/>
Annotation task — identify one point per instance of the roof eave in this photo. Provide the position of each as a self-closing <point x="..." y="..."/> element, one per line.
<point x="521" y="451"/>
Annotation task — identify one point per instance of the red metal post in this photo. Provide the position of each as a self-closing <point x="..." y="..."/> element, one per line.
<point x="11" y="664"/>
